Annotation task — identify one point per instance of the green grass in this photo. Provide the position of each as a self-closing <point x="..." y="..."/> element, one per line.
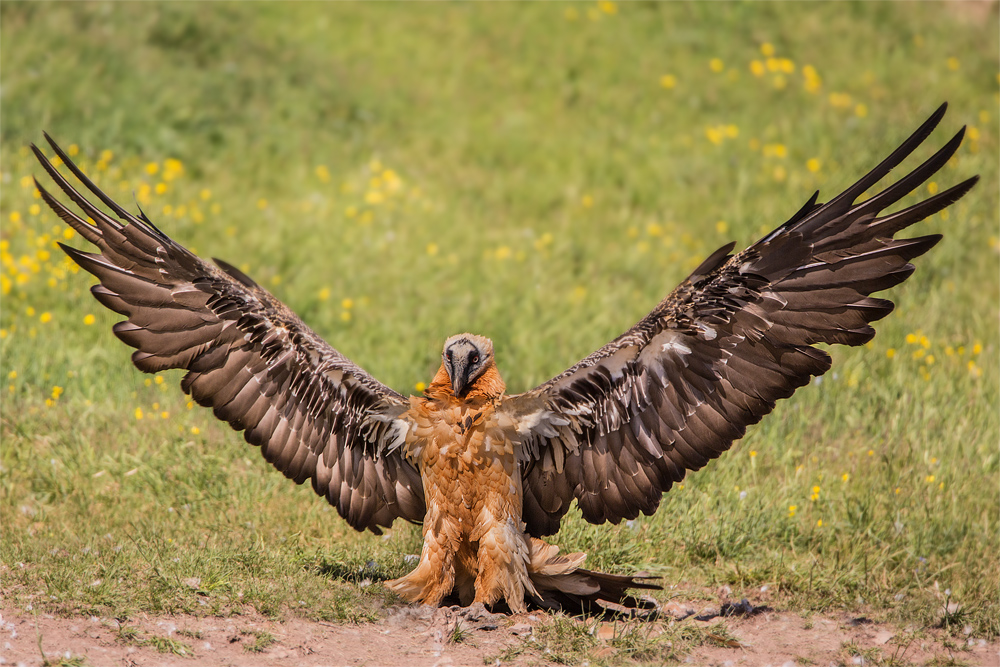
<point x="262" y="639"/>
<point x="132" y="636"/>
<point x="546" y="190"/>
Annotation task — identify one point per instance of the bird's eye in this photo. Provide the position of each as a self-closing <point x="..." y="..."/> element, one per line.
<point x="448" y="354"/>
<point x="475" y="358"/>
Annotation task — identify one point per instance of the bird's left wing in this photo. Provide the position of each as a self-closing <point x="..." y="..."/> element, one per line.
<point x="315" y="414"/>
<point x="617" y="429"/>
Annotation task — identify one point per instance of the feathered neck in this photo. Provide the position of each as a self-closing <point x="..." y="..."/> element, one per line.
<point x="488" y="387"/>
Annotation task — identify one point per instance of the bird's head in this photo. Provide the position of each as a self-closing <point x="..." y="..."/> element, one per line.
<point x="465" y="358"/>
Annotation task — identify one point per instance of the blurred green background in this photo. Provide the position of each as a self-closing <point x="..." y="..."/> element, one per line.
<point x="539" y="173"/>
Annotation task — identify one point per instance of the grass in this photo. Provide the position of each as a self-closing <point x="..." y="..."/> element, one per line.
<point x="569" y="641"/>
<point x="545" y="188"/>
<point x="262" y="639"/>
<point x="133" y="636"/>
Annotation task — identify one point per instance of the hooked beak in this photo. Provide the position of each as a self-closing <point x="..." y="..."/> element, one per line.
<point x="458" y="373"/>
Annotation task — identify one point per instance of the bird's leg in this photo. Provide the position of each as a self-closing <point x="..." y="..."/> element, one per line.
<point x="434" y="576"/>
<point x="503" y="557"/>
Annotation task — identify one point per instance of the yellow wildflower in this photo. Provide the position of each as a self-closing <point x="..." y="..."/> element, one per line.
<point x="716" y="65"/>
<point x="89" y="319"/>
<point x="420" y="386"/>
<point x="152" y="168"/>
<point x="138" y="413"/>
<point x="195" y="430"/>
<point x="347" y="304"/>
<point x="668" y="81"/>
<point x="813" y="164"/>
<point x="757" y="68"/>
<point x="45" y="317"/>
<point x="767" y="49"/>
<point x="172" y="167"/>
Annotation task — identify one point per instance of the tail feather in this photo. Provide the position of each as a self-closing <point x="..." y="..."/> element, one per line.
<point x="562" y="584"/>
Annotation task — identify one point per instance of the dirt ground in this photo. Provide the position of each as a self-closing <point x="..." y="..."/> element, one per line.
<point x="422" y="637"/>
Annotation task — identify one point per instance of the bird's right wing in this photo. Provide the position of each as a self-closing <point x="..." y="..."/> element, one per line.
<point x="673" y="392"/>
<point x="315" y="414"/>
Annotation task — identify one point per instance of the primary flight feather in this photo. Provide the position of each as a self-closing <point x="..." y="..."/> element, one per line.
<point x="488" y="474"/>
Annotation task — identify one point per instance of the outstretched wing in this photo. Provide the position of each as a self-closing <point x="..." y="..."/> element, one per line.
<point x="674" y="391"/>
<point x="314" y="414"/>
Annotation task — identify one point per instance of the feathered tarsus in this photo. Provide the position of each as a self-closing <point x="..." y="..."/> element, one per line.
<point x="489" y="473"/>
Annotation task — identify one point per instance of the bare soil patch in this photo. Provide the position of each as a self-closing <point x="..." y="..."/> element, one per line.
<point x="420" y="637"/>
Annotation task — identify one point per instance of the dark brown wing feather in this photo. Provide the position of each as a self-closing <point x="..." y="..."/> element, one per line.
<point x="314" y="414"/>
<point x="673" y="392"/>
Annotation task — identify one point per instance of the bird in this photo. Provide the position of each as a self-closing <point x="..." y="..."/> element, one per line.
<point x="489" y="474"/>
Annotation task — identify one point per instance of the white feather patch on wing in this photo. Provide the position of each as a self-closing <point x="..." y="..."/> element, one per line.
<point x="670" y="341"/>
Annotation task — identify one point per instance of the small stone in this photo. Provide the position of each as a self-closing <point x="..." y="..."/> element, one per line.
<point x="678" y="610"/>
<point x="882" y="637"/>
<point x="521" y="629"/>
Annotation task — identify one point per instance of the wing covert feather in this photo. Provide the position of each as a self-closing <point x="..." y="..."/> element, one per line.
<point x="314" y="414"/>
<point x="679" y="387"/>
